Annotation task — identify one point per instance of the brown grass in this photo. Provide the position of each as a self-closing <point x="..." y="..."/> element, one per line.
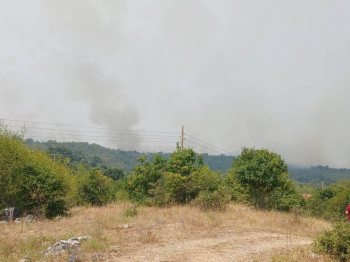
<point x="119" y="230"/>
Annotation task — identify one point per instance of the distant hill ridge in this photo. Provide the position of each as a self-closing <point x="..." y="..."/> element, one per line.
<point x="126" y="160"/>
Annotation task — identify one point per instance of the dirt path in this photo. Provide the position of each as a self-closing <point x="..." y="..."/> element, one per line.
<point x="229" y="247"/>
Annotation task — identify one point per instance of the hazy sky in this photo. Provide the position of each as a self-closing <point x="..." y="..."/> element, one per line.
<point x="264" y="73"/>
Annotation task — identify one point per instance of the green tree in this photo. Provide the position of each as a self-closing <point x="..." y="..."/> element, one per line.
<point x="238" y="192"/>
<point x="184" y="162"/>
<point x="33" y="182"/>
<point x="330" y="202"/>
<point x="95" y="188"/>
<point x="144" y="178"/>
<point x="261" y="172"/>
<point x="177" y="180"/>
<point x="112" y="172"/>
<point x="203" y="179"/>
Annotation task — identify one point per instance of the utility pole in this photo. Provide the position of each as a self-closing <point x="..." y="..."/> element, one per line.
<point x="182" y="137"/>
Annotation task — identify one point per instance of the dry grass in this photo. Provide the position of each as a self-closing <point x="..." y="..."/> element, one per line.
<point x="120" y="230"/>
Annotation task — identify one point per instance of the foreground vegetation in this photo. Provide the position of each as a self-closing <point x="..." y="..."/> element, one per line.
<point x="53" y="184"/>
<point x="312" y="176"/>
<point x="124" y="232"/>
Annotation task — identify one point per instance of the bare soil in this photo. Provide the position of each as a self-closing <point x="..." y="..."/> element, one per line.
<point x="240" y="246"/>
<point x="173" y="234"/>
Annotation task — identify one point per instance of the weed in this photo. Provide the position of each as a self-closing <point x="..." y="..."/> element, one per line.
<point x="130" y="212"/>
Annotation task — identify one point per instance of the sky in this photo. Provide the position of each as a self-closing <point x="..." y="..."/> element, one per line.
<point x="261" y="73"/>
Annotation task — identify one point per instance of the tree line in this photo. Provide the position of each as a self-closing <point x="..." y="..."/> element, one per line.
<point x="126" y="160"/>
<point x="49" y="183"/>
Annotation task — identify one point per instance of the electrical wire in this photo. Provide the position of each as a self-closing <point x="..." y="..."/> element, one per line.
<point x="88" y="127"/>
<point x="210" y="145"/>
<point x="46" y="130"/>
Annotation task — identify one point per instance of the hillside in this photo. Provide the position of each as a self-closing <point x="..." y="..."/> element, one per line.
<point x="317" y="174"/>
<point x="126" y="160"/>
<point x="122" y="232"/>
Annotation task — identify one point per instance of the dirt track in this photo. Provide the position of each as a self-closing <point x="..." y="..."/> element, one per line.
<point x="246" y="246"/>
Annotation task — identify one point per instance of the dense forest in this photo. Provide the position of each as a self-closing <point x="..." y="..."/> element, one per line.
<point x="126" y="160"/>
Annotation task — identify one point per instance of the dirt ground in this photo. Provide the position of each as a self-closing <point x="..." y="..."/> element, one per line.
<point x="240" y="246"/>
<point x="174" y="234"/>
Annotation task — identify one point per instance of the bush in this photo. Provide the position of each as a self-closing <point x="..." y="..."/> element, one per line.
<point x="285" y="198"/>
<point x="130" y="212"/>
<point x="42" y="190"/>
<point x="202" y="180"/>
<point x="261" y="172"/>
<point x="33" y="182"/>
<point x="144" y="177"/>
<point x="335" y="242"/>
<point x="238" y="193"/>
<point x="177" y="180"/>
<point x="94" y="188"/>
<point x="216" y="200"/>
<point x="330" y="203"/>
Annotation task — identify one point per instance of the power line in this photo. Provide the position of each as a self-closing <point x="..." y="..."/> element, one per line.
<point x="109" y="137"/>
<point x="203" y="147"/>
<point x="210" y="145"/>
<point x="92" y="132"/>
<point x="196" y="148"/>
<point x="89" y="139"/>
<point x="46" y="131"/>
<point x="89" y="127"/>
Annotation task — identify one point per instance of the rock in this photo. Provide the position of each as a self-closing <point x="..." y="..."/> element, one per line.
<point x="10" y="213"/>
<point x="97" y="256"/>
<point x="116" y="249"/>
<point x="17" y="221"/>
<point x="62" y="246"/>
<point x="28" y="218"/>
<point x="313" y="255"/>
<point x="3" y="222"/>
<point x="25" y="259"/>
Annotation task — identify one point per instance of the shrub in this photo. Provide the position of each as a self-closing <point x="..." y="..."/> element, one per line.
<point x="176" y="188"/>
<point x="330" y="203"/>
<point x="261" y="172"/>
<point x="216" y="200"/>
<point x="285" y="198"/>
<point x="202" y="180"/>
<point x="130" y="212"/>
<point x="335" y="206"/>
<point x="335" y="242"/>
<point x="94" y="188"/>
<point x="42" y="191"/>
<point x="237" y="192"/>
<point x="144" y="177"/>
<point x="33" y="182"/>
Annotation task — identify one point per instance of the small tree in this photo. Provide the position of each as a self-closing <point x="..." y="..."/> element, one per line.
<point x="95" y="188"/>
<point x="30" y="179"/>
<point x="261" y="172"/>
<point x="184" y="162"/>
<point x="335" y="242"/>
<point x="144" y="178"/>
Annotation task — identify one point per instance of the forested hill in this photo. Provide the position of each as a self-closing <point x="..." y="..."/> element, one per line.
<point x="124" y="160"/>
<point x="317" y="174"/>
